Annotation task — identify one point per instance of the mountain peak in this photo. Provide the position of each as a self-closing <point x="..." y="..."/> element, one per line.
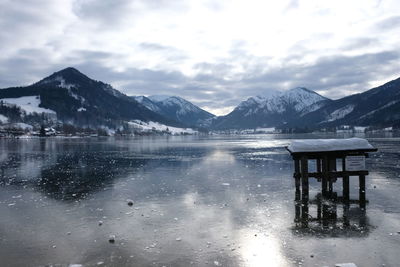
<point x="68" y="75"/>
<point x="159" y="98"/>
<point x="303" y="91"/>
<point x="176" y="108"/>
<point x="70" y="69"/>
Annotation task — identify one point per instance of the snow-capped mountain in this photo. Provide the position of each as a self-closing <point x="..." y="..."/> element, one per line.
<point x="79" y="100"/>
<point x="379" y="106"/>
<point x="176" y="108"/>
<point x="271" y="111"/>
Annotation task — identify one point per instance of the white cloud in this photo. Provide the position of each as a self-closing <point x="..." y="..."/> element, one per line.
<point x="229" y="42"/>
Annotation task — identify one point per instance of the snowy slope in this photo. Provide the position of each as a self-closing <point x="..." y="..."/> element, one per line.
<point x="151" y="125"/>
<point x="3" y="119"/>
<point x="176" y="108"/>
<point x="29" y="104"/>
<point x="148" y="103"/>
<point x="80" y="100"/>
<point x="271" y="111"/>
<point x="298" y="98"/>
<point x="379" y="106"/>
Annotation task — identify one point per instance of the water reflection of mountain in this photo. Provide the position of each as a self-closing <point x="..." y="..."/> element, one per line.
<point x="332" y="217"/>
<point x="75" y="175"/>
<point x="72" y="169"/>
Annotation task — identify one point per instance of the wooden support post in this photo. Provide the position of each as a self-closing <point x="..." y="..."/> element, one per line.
<point x="319" y="208"/>
<point x="304" y="177"/>
<point x="346" y="182"/>
<point x="346" y="219"/>
<point x="331" y="167"/>
<point x="330" y="186"/>
<point x="324" y="176"/>
<point x="362" y="190"/>
<point x="325" y="215"/>
<point x="304" y="212"/>
<point x="297" y="176"/>
<point x="297" y="210"/>
<point x="318" y="165"/>
<point x="363" y="217"/>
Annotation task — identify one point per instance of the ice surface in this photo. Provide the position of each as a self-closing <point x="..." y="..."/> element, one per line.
<point x="345" y="265"/>
<point x="28" y="103"/>
<point x="315" y="145"/>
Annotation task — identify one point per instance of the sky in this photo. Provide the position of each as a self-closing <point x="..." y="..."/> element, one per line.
<point x="212" y="53"/>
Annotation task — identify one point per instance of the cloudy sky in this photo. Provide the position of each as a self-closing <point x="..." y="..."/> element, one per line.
<point x="213" y="53"/>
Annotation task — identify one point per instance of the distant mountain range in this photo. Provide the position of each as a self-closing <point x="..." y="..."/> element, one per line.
<point x="68" y="96"/>
<point x="77" y="99"/>
<point x="271" y="111"/>
<point x="72" y="97"/>
<point x="176" y="108"/>
<point x="303" y="108"/>
<point x="379" y="107"/>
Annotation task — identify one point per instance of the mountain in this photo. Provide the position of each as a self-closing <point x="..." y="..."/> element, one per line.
<point x="276" y="110"/>
<point x="176" y="108"/>
<point x="379" y="106"/>
<point x="79" y="100"/>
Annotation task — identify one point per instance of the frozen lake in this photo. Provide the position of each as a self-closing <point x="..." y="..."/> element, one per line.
<point x="197" y="201"/>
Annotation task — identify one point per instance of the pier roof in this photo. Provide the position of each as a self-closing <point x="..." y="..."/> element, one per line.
<point x="330" y="145"/>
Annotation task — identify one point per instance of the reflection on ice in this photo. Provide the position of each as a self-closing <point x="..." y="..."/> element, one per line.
<point x="224" y="201"/>
<point x="330" y="218"/>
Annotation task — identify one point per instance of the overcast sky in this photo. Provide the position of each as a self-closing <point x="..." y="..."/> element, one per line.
<point x="215" y="53"/>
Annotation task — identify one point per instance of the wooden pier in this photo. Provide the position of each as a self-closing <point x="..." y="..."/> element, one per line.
<point x="332" y="159"/>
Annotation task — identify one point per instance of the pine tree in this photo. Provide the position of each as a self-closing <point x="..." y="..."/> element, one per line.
<point x="42" y="132"/>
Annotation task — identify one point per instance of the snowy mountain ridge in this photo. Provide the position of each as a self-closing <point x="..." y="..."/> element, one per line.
<point x="273" y="110"/>
<point x="299" y="98"/>
<point x="176" y="108"/>
<point x="78" y="100"/>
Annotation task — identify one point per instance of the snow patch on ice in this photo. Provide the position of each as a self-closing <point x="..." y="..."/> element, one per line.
<point x="29" y="104"/>
<point x="350" y="264"/>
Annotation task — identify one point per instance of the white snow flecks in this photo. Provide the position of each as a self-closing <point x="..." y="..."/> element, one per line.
<point x="108" y="88"/>
<point x="21" y="125"/>
<point x="340" y="113"/>
<point x="391" y="103"/>
<point x="3" y="119"/>
<point x="150" y="126"/>
<point x="148" y="103"/>
<point x="184" y="106"/>
<point x="61" y="83"/>
<point x="81" y="109"/>
<point x="29" y="104"/>
<point x="158" y="98"/>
